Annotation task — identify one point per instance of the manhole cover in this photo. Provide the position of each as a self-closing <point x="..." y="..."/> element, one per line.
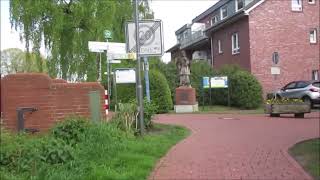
<point x="228" y="118"/>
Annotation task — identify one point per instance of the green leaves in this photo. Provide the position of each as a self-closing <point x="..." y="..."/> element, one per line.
<point x="67" y="26"/>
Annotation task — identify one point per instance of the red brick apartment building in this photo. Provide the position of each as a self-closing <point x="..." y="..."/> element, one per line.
<point x="250" y="33"/>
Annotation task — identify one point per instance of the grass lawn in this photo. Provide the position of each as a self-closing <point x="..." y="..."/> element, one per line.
<point x="104" y="152"/>
<point x="307" y="153"/>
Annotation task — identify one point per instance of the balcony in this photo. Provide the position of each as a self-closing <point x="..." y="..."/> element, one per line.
<point x="190" y="41"/>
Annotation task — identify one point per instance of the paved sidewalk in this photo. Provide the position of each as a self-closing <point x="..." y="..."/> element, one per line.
<point x="247" y="147"/>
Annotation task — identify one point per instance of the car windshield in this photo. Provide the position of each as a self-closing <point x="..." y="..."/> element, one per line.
<point x="316" y="84"/>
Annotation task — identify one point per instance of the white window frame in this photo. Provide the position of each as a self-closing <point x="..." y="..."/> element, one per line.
<point x="313" y="36"/>
<point x="219" y="47"/>
<point x="235" y="43"/>
<point x="215" y="18"/>
<point x="237" y="3"/>
<point x="312" y="2"/>
<point x="221" y="12"/>
<point x="296" y="5"/>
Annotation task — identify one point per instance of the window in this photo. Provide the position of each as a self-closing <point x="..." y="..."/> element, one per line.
<point x="315" y="75"/>
<point x="239" y="4"/>
<point x="312" y="1"/>
<point x="296" y="5"/>
<point x="223" y="12"/>
<point x="302" y="84"/>
<point x="214" y="20"/>
<point x="290" y="85"/>
<point x="219" y="47"/>
<point x="313" y="36"/>
<point x="235" y="43"/>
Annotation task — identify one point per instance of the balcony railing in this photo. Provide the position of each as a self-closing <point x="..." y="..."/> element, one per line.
<point x="193" y="38"/>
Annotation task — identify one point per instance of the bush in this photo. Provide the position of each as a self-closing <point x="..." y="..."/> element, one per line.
<point x="170" y="72"/>
<point x="199" y="69"/>
<point x="245" y="90"/>
<point x="160" y="92"/>
<point x="126" y="117"/>
<point x="70" y="129"/>
<point x="150" y="109"/>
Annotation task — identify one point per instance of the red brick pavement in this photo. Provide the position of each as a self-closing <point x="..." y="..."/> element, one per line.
<point x="247" y="147"/>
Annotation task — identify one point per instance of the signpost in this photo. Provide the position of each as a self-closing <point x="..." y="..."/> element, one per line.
<point x="149" y="36"/>
<point x="215" y="82"/>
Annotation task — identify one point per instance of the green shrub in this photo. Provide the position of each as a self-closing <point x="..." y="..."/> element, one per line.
<point x="70" y="129"/>
<point x="126" y="117"/>
<point x="160" y="92"/>
<point x="245" y="90"/>
<point x="200" y="69"/>
<point x="150" y="109"/>
<point x="170" y="72"/>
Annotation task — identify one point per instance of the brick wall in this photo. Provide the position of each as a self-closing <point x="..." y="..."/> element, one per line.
<point x="224" y="35"/>
<point x="54" y="99"/>
<point x="274" y="27"/>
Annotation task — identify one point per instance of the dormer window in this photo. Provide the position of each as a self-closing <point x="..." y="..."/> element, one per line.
<point x="239" y="4"/>
<point x="214" y="20"/>
<point x="223" y="12"/>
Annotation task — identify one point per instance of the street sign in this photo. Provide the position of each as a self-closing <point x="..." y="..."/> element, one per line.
<point x="275" y="70"/>
<point x="150" y="35"/>
<point x="122" y="56"/>
<point x="219" y="82"/>
<point x="205" y="82"/>
<point x="95" y="46"/>
<point x="124" y="76"/>
<point x="107" y="34"/>
<point x="114" y="61"/>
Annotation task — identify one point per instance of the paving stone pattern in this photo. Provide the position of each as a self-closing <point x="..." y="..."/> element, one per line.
<point x="237" y="147"/>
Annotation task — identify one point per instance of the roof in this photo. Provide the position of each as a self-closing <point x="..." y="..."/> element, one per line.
<point x="210" y="10"/>
<point x="233" y="18"/>
<point x="186" y="26"/>
<point x="173" y="48"/>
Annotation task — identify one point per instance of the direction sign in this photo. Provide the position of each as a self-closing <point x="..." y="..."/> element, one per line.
<point x="125" y="76"/>
<point x="150" y="35"/>
<point x="95" y="46"/>
<point x="107" y="34"/>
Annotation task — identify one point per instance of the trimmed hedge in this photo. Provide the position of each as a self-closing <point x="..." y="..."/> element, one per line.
<point x="245" y="90"/>
<point x="200" y="69"/>
<point x="160" y="91"/>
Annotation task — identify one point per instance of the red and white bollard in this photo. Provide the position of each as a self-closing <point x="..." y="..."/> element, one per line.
<point x="106" y="102"/>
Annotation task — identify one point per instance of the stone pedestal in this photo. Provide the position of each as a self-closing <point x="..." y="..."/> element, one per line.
<point x="186" y="100"/>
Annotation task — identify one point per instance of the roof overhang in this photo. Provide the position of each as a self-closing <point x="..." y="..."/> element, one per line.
<point x="174" y="48"/>
<point x="226" y="22"/>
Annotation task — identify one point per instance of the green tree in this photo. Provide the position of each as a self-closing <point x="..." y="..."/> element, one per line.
<point x="66" y="26"/>
<point x="15" y="60"/>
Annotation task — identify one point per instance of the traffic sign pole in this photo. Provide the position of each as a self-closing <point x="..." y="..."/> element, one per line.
<point x="139" y="85"/>
<point x="146" y="77"/>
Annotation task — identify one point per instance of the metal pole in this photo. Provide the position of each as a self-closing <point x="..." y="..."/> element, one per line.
<point x="146" y="77"/>
<point x="139" y="85"/>
<point x="100" y="71"/>
<point x="108" y="78"/>
<point x="210" y="92"/>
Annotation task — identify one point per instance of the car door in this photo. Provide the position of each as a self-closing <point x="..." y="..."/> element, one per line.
<point x="300" y="89"/>
<point x="288" y="90"/>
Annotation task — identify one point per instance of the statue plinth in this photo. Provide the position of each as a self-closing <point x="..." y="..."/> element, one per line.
<point x="185" y="100"/>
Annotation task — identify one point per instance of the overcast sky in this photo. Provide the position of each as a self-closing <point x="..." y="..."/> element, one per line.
<point x="173" y="13"/>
